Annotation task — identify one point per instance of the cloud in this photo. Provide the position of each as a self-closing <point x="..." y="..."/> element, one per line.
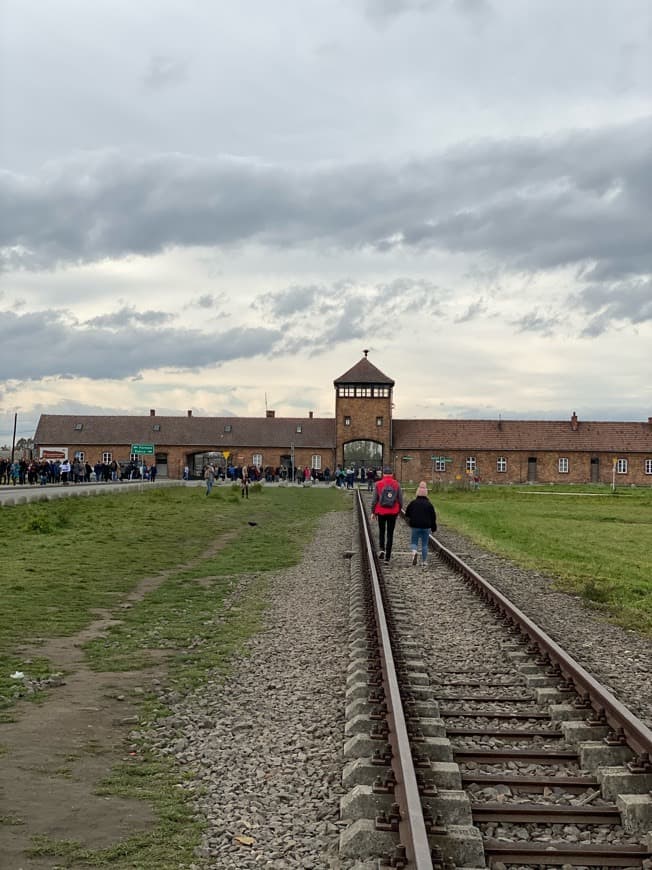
<point x="52" y="343"/>
<point x="163" y="71"/>
<point x="581" y="199"/>
<point x="629" y="301"/>
<point x="476" y="309"/>
<point x="129" y="316"/>
<point x="535" y="322"/>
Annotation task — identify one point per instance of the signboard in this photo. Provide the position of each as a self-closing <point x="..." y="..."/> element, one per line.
<point x="441" y="459"/>
<point x="143" y="449"/>
<point x="54" y="452"/>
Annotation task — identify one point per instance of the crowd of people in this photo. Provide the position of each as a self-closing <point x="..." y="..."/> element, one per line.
<point x="343" y="477"/>
<point x="62" y="471"/>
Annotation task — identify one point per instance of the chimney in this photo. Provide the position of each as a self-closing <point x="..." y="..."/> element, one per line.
<point x="152" y="412"/>
<point x="189" y="413"/>
<point x="310" y="414"/>
<point x="574" y="423"/>
<point x="270" y="414"/>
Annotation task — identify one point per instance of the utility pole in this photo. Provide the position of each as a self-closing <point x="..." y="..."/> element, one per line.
<point x="13" y="440"/>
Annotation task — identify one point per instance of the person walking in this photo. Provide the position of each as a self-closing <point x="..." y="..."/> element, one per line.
<point x="420" y="513"/>
<point x="386" y="505"/>
<point x="209" y="477"/>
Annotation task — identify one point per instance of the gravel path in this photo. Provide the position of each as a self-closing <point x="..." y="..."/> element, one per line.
<point x="267" y="743"/>
<point x="619" y="658"/>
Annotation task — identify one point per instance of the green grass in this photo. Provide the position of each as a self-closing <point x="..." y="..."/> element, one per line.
<point x="77" y="555"/>
<point x="595" y="542"/>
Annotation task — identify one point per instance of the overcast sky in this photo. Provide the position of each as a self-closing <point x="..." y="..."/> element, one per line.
<point x="217" y="206"/>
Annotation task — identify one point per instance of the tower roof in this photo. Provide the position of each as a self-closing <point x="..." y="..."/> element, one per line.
<point x="364" y="372"/>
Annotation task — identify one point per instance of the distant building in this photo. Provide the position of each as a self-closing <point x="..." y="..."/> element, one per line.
<point x="364" y="433"/>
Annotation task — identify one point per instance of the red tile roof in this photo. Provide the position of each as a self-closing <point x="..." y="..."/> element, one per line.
<point x="190" y="431"/>
<point x="529" y="435"/>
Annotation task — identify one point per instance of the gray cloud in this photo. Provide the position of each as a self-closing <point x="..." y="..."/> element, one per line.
<point x="294" y="300"/>
<point x="629" y="301"/>
<point x="163" y="71"/>
<point x="315" y="318"/>
<point x="53" y="343"/>
<point x="581" y="199"/>
<point x="478" y="308"/>
<point x="129" y="316"/>
<point x="535" y="322"/>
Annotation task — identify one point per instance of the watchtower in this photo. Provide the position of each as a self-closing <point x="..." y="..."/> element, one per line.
<point x="363" y="416"/>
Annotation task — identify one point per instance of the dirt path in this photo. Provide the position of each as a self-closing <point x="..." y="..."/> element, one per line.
<point x="56" y="753"/>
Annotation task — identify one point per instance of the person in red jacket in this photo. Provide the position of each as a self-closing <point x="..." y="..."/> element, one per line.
<point x="385" y="507"/>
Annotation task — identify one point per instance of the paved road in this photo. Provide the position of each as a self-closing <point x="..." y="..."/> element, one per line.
<point x="12" y="495"/>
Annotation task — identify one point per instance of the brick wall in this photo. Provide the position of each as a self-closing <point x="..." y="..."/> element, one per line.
<point x="420" y="467"/>
<point x="363" y="413"/>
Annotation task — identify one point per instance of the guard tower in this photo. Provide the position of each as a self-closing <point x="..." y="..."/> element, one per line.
<point x="363" y="416"/>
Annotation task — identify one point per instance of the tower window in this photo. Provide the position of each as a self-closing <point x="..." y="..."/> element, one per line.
<point x="347" y="421"/>
<point x="379" y="421"/>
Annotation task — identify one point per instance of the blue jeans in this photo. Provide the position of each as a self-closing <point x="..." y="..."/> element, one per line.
<point x="420" y="536"/>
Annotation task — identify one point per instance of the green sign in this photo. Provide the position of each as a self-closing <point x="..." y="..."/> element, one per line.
<point x="441" y="459"/>
<point x="407" y="458"/>
<point x="143" y="449"/>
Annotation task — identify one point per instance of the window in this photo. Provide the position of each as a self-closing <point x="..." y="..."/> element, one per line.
<point x="346" y="391"/>
<point x="440" y="463"/>
<point x="363" y="392"/>
<point x="299" y="428"/>
<point x="379" y="421"/>
<point x="107" y="456"/>
<point x="381" y="392"/>
<point x="471" y="464"/>
<point x="156" y="427"/>
<point x="228" y="427"/>
<point x="347" y="421"/>
<point x="501" y="464"/>
<point x="315" y="461"/>
<point x="79" y="454"/>
<point x="562" y="465"/>
<point x="648" y="466"/>
<point x="621" y="466"/>
<point x="257" y="460"/>
<point x="78" y="427"/>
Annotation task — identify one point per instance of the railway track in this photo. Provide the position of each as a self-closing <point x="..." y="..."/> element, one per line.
<point x="473" y="739"/>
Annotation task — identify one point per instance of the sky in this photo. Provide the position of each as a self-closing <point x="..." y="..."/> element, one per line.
<point x="217" y="206"/>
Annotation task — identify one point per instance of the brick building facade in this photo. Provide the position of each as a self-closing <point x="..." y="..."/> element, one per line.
<point x="363" y="432"/>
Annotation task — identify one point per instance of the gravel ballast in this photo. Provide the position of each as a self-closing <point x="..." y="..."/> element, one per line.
<point x="266" y="743"/>
<point x="619" y="658"/>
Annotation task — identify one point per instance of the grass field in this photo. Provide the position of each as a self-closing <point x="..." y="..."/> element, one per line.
<point x="62" y="560"/>
<point x="598" y="543"/>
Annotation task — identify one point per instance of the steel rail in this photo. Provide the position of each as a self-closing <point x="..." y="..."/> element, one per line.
<point x="412" y="826"/>
<point x="637" y="735"/>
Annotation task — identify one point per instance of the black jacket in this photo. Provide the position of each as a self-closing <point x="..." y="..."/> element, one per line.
<point x="421" y="514"/>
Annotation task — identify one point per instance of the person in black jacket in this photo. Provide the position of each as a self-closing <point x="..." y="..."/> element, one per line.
<point x="421" y="515"/>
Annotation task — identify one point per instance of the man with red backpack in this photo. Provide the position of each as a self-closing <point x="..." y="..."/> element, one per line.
<point x="385" y="507"/>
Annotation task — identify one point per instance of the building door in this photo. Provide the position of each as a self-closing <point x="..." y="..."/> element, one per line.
<point x="161" y="465"/>
<point x="532" y="469"/>
<point x="286" y="466"/>
<point x="595" y="469"/>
